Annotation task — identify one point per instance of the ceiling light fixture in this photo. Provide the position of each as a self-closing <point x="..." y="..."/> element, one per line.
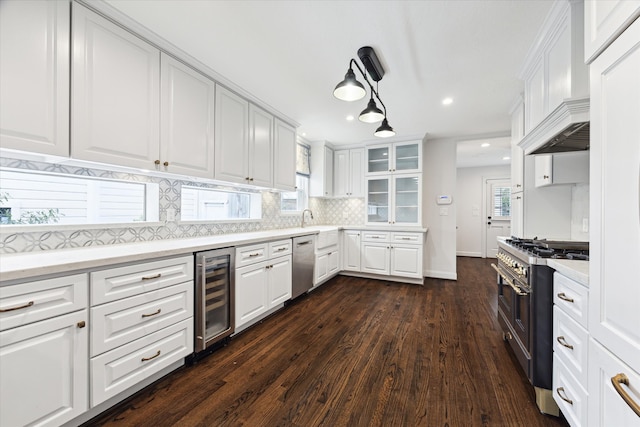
<point x="350" y="89"/>
<point x="485" y="145"/>
<point x="447" y="101"/>
<point x="350" y="118"/>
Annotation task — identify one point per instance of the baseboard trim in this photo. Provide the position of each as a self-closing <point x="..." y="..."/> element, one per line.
<point x="471" y="254"/>
<point x="441" y="275"/>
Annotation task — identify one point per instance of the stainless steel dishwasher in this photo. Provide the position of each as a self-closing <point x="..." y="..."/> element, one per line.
<point x="303" y="263"/>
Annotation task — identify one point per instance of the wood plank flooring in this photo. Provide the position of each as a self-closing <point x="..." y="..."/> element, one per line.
<point x="356" y="352"/>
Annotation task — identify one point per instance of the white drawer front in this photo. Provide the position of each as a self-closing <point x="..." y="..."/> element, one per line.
<point x="123" y="321"/>
<point x="568" y="394"/>
<point x="246" y="255"/>
<point x="121" y="282"/>
<point x="326" y="238"/>
<point x="119" y="369"/>
<point x="279" y="248"/>
<point x="33" y="301"/>
<point x="572" y="297"/>
<point x="571" y="344"/>
<point x="406" y="238"/>
<point x="375" y="236"/>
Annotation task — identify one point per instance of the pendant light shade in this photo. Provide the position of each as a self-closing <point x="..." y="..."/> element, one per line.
<point x="384" y="131"/>
<point x="371" y="114"/>
<point x="349" y="89"/>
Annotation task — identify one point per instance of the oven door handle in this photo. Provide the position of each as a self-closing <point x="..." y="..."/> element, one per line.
<point x="516" y="289"/>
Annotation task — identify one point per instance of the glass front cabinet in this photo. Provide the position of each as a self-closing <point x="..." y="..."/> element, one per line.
<point x="394" y="199"/>
<point x="399" y="157"/>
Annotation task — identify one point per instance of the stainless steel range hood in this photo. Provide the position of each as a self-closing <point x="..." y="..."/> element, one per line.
<point x="565" y="129"/>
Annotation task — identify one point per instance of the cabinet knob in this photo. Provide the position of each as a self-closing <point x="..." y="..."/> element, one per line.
<point x="251" y="179"/>
<point x="157" y="162"/>
<point x="247" y="179"/>
<point x="165" y="164"/>
<point x="81" y="324"/>
<point x="545" y="176"/>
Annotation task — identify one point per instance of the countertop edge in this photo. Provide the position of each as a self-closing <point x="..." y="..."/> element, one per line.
<point x="573" y="269"/>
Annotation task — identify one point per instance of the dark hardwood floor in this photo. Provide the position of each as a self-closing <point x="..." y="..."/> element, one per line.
<point x="356" y="352"/>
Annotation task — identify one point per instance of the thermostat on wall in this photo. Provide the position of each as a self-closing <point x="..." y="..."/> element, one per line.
<point x="443" y="200"/>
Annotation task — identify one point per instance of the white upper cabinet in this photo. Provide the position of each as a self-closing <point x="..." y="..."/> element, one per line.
<point x="260" y="147"/>
<point x="394" y="200"/>
<point x="604" y="21"/>
<point x="187" y="118"/>
<point x="232" y="137"/>
<point x="401" y="157"/>
<point x="614" y="294"/>
<point x="348" y="173"/>
<point x="321" y="180"/>
<point x="34" y="76"/>
<point x="562" y="168"/>
<point x="115" y="94"/>
<point x="284" y="163"/>
<point x="554" y="70"/>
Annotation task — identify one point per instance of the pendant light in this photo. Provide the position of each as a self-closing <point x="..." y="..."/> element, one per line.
<point x="371" y="114"/>
<point x="350" y="89"/>
<point x="384" y="131"/>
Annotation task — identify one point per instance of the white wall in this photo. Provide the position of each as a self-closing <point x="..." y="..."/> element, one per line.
<point x="439" y="177"/>
<point x="470" y="218"/>
<point x="579" y="212"/>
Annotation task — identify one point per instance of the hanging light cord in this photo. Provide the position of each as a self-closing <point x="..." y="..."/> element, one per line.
<point x="374" y="91"/>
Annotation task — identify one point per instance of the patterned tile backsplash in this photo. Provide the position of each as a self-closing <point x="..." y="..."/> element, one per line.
<point x="325" y="211"/>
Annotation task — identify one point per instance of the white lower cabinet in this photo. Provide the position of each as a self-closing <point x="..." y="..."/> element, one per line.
<point x="570" y="396"/>
<point x="607" y="406"/>
<point x="406" y="261"/>
<point x="375" y="258"/>
<point x="351" y="250"/>
<point x="44" y="371"/>
<point x="327" y="256"/>
<point x="394" y="254"/>
<point x="263" y="285"/>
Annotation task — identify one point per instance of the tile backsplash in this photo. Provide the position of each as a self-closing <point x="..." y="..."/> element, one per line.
<point x="326" y="212"/>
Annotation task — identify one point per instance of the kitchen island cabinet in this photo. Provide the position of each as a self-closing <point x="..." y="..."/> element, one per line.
<point x="34" y="76"/>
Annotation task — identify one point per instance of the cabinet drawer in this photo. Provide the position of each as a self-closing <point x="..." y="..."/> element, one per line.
<point x="123" y="321"/>
<point x="121" y="282"/>
<point x="279" y="248"/>
<point x="572" y="297"/>
<point x="406" y="238"/>
<point x="33" y="301"/>
<point x="123" y="367"/>
<point x="375" y="236"/>
<point x="570" y="396"/>
<point x="571" y="344"/>
<point x="246" y="255"/>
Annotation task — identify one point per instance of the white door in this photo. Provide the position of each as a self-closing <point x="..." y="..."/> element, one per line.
<point x="260" y="147"/>
<point x="321" y="268"/>
<point x="44" y="371"/>
<point x="187" y="117"/>
<point x="251" y="292"/>
<point x="356" y="172"/>
<point x="232" y="137"/>
<point x="498" y="213"/>
<point x="351" y="249"/>
<point x="115" y="108"/>
<point x="284" y="163"/>
<point x="34" y="76"/>
<point x="376" y="258"/>
<point x="334" y="262"/>
<point x="280" y="280"/>
<point x="406" y="261"/>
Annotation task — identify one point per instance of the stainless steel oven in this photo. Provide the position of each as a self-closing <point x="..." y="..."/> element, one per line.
<point x="214" y="296"/>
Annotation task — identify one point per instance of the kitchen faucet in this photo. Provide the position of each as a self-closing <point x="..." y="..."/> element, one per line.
<point x="310" y="214"/>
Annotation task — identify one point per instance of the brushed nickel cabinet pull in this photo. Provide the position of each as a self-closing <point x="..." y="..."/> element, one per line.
<point x="563" y="342"/>
<point x="252" y="255"/>
<point x="81" y="324"/>
<point x="617" y="382"/>
<point x="563" y="396"/>
<point x="152" y="314"/>
<point x="156" y="276"/>
<point x="146" y="359"/>
<point x="564" y="297"/>
<point x="281" y="249"/>
<point x="29" y="304"/>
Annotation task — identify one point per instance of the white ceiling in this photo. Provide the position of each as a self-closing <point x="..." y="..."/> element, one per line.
<point x="483" y="152"/>
<point x="291" y="54"/>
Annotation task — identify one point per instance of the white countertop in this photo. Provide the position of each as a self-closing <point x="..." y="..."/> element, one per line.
<point x="31" y="264"/>
<point x="573" y="269"/>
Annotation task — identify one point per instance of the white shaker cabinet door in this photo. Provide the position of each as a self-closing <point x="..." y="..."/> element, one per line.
<point x="351" y="250"/>
<point x="232" y="137"/>
<point x="376" y="258"/>
<point x="34" y="76"/>
<point x="251" y="292"/>
<point x="44" y="371"/>
<point x="280" y="280"/>
<point x="187" y="117"/>
<point x="115" y="90"/>
<point x="284" y="164"/>
<point x="614" y="294"/>
<point x="260" y="147"/>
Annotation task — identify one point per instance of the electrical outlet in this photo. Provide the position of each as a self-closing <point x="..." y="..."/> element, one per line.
<point x="585" y="225"/>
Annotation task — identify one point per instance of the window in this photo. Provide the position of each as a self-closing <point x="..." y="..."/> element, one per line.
<point x="214" y="204"/>
<point x="501" y="202"/>
<point x="296" y="201"/>
<point x="33" y="197"/>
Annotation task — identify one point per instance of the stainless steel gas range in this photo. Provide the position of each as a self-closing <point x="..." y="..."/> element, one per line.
<point x="525" y="306"/>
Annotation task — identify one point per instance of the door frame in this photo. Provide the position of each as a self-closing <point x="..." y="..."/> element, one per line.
<point x="485" y="182"/>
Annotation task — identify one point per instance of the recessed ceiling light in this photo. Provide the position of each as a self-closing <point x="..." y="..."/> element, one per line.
<point x="304" y="134"/>
<point x="485" y="145"/>
<point x="447" y="101"/>
<point x="506" y="158"/>
<point x="350" y="117"/>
